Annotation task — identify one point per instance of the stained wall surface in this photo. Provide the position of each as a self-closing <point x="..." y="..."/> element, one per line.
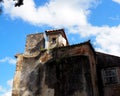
<point x="105" y="61"/>
<point x="34" y="43"/>
<point x="65" y="71"/>
<point x="68" y="76"/>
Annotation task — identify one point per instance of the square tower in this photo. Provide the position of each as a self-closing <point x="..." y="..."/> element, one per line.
<point x="56" y="38"/>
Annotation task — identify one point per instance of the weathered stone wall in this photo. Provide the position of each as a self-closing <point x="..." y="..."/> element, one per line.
<point x="46" y="74"/>
<point x="112" y="89"/>
<point x="62" y="71"/>
<point x="68" y="76"/>
<point x="107" y="61"/>
<point x="17" y="77"/>
<point x="34" y="43"/>
<point x="80" y="49"/>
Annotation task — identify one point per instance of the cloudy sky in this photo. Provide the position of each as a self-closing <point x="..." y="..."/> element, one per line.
<point x="95" y="20"/>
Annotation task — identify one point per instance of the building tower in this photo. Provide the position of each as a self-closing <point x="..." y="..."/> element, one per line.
<point x="56" y="38"/>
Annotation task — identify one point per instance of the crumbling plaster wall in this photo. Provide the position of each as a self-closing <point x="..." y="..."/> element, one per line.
<point x="68" y="77"/>
<point x="17" y="77"/>
<point x="34" y="43"/>
<point x="80" y="49"/>
<point x="33" y="74"/>
<point x="58" y="77"/>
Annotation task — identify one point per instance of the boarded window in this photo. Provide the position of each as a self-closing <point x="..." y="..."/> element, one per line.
<point x="110" y="76"/>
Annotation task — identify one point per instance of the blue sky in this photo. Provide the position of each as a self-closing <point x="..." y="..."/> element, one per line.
<point x="97" y="20"/>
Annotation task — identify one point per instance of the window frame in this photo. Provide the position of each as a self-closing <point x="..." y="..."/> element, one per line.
<point x="110" y="76"/>
<point x="53" y="41"/>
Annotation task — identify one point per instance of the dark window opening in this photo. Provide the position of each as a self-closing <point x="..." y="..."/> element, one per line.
<point x="53" y="40"/>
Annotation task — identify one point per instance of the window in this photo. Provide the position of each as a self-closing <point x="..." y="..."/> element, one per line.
<point x="110" y="76"/>
<point x="53" y="40"/>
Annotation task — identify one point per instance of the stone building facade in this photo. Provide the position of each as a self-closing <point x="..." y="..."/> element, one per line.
<point x="51" y="67"/>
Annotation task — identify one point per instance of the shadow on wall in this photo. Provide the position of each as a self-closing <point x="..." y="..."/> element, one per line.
<point x="69" y="77"/>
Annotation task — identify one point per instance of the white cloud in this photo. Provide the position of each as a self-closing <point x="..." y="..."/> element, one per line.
<point x="1" y="89"/>
<point x="117" y="1"/>
<point x="54" y="13"/>
<point x="108" y="39"/>
<point x="8" y="60"/>
<point x="69" y="14"/>
<point x="7" y="91"/>
<point x="10" y="83"/>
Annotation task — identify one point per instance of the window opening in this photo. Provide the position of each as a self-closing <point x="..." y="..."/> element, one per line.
<point x="53" y="40"/>
<point x="110" y="76"/>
